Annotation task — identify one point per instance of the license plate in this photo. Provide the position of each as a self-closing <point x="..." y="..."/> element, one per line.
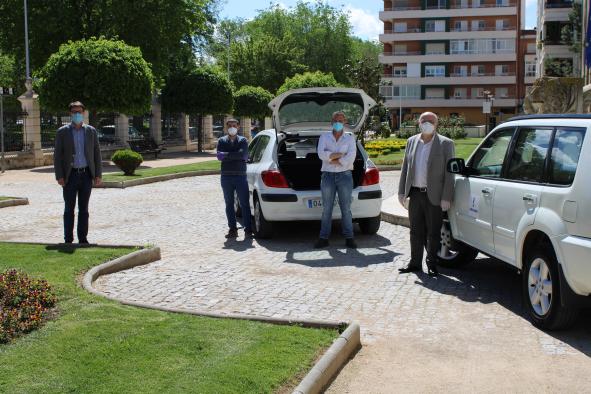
<point x="312" y="203"/>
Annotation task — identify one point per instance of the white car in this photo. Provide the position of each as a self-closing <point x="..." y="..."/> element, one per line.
<point x="283" y="169"/>
<point x="523" y="197"/>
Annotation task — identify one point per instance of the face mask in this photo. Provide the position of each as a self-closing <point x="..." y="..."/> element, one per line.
<point x="77" y="118"/>
<point x="427" y="128"/>
<point x="338" y="127"/>
<point x="232" y="131"/>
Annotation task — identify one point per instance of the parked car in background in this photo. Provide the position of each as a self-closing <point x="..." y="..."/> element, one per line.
<point x="107" y="134"/>
<point x="523" y="198"/>
<point x="283" y="170"/>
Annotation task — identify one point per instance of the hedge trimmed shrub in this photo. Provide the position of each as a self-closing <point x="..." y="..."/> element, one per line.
<point x="127" y="160"/>
<point x="24" y="304"/>
<point x="252" y="101"/>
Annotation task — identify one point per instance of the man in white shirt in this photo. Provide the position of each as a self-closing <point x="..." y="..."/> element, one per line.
<point x="337" y="150"/>
<point x="429" y="187"/>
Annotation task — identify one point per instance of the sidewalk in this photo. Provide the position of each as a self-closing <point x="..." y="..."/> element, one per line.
<point x="45" y="174"/>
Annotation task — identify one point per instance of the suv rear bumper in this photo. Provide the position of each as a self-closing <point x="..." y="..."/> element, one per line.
<point x="575" y="263"/>
<point x="568" y="297"/>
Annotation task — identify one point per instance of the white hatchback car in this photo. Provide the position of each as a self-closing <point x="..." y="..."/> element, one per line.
<point x="523" y="198"/>
<point x="283" y="169"/>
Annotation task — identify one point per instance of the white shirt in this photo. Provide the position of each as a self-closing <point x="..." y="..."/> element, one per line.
<point x="328" y="145"/>
<point x="421" y="163"/>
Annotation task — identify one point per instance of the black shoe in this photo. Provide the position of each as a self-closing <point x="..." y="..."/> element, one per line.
<point x="83" y="242"/>
<point x="432" y="270"/>
<point x="248" y="234"/>
<point x="321" y="243"/>
<point x="408" y="269"/>
<point x="232" y="233"/>
<point x="350" y="243"/>
<point x="68" y="242"/>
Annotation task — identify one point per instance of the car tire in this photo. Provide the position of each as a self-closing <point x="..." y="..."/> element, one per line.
<point x="262" y="228"/>
<point x="370" y="225"/>
<point x="541" y="292"/>
<point x="452" y="253"/>
<point x="237" y="208"/>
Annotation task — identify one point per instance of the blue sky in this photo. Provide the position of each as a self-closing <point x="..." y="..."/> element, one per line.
<point x="364" y="13"/>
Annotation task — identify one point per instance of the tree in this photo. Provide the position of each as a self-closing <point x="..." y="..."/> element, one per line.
<point x="6" y="70"/>
<point x="571" y="33"/>
<point x="252" y="102"/>
<point x="199" y="91"/>
<point x="106" y="75"/>
<point x="308" y="80"/>
<point x="161" y="28"/>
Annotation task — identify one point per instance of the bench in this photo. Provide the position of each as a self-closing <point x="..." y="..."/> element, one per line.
<point x="145" y="145"/>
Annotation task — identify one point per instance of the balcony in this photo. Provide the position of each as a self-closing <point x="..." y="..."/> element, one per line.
<point x="453" y="79"/>
<point x="417" y="34"/>
<point x="394" y="102"/>
<point x="418" y="57"/>
<point x="558" y="4"/>
<point x="409" y="12"/>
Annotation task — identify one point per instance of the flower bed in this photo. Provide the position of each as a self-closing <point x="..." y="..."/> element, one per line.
<point x="383" y="147"/>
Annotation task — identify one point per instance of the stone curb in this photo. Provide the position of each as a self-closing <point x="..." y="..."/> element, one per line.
<point x="14" y="202"/>
<point x="395" y="219"/>
<point x="153" y="179"/>
<point x="317" y="378"/>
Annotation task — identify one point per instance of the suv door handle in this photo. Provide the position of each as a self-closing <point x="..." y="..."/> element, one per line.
<point x="486" y="191"/>
<point x="531" y="198"/>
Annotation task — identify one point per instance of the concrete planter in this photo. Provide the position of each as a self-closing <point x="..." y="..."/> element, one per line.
<point x="14" y="202"/>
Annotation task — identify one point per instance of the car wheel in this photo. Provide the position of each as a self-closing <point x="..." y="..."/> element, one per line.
<point x="262" y="228"/>
<point x="237" y="208"/>
<point x="452" y="253"/>
<point x="541" y="292"/>
<point x="370" y="225"/>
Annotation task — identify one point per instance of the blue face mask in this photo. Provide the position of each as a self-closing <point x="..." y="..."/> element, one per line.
<point x="338" y="127"/>
<point x="77" y="118"/>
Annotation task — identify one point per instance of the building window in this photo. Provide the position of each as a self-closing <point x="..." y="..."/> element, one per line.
<point x="477" y="92"/>
<point x="530" y="68"/>
<point x="501" y="69"/>
<point x="399" y="72"/>
<point x="435" y="93"/>
<point x="435" y="49"/>
<point x="400" y="27"/>
<point x="435" y="25"/>
<point x="394" y="92"/>
<point x="460" y="71"/>
<point x="460" y="93"/>
<point x="400" y="49"/>
<point x="435" y="71"/>
<point x="477" y="70"/>
<point x="531" y="47"/>
<point x="461" y="26"/>
<point x="502" y="92"/>
<point x="478" y="25"/>
<point x="502" y="24"/>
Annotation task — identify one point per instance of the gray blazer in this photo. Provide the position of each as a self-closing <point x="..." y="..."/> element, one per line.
<point x="440" y="183"/>
<point x="63" y="155"/>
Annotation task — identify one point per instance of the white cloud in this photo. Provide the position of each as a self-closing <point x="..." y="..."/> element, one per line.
<point x="365" y="24"/>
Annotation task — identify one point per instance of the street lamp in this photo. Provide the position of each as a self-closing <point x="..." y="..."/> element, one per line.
<point x="229" y="43"/>
<point x="29" y="81"/>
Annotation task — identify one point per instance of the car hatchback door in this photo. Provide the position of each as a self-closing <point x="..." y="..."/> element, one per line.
<point x="517" y="199"/>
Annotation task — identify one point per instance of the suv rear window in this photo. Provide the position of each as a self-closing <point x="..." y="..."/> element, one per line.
<point x="529" y="156"/>
<point x="565" y="155"/>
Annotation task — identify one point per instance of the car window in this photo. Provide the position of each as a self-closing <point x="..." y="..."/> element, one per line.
<point x="529" y="156"/>
<point x="258" y="151"/>
<point x="488" y="159"/>
<point x="252" y="147"/>
<point x="302" y="146"/>
<point x="565" y="155"/>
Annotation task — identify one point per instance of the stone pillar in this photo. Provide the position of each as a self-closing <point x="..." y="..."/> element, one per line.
<point x="156" y="120"/>
<point x="184" y="129"/>
<point x="87" y="118"/>
<point x="208" y="138"/>
<point x="122" y="128"/>
<point x="268" y="123"/>
<point x="245" y="126"/>
<point x="32" y="125"/>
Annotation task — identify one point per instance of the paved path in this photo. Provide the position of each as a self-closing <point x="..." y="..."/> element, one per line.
<point x="463" y="331"/>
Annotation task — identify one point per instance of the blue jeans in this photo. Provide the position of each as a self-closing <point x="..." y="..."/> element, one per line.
<point x="238" y="183"/>
<point x="331" y="184"/>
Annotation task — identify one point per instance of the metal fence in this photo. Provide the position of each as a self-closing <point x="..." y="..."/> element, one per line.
<point x="170" y="127"/>
<point x="50" y="122"/>
<point x="195" y="126"/>
<point x="15" y="139"/>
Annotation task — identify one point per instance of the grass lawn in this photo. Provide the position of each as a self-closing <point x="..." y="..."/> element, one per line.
<point x="147" y="172"/>
<point x="464" y="148"/>
<point x="96" y="345"/>
<point x="6" y="198"/>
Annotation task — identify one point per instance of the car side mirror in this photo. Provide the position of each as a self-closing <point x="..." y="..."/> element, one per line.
<point x="457" y="166"/>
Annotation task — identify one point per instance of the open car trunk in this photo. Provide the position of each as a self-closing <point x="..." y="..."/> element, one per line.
<point x="299" y="162"/>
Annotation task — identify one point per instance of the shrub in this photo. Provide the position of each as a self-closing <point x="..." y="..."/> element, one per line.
<point x="24" y="304"/>
<point x="127" y="160"/>
<point x="252" y="101"/>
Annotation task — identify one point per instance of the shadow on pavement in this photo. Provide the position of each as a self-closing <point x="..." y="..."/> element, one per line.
<point x="492" y="281"/>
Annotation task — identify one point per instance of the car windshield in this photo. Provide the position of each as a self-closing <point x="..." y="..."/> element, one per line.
<point x="318" y="108"/>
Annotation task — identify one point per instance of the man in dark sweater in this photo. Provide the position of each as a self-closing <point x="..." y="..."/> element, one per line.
<point x="232" y="151"/>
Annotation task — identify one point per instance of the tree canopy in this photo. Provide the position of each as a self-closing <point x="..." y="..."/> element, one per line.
<point x="164" y="29"/>
<point x="106" y="75"/>
<point x="252" y="101"/>
<point x="308" y="80"/>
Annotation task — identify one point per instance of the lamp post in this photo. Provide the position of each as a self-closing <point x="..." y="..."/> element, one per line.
<point x="3" y="92"/>
<point x="28" y="82"/>
<point x="229" y="42"/>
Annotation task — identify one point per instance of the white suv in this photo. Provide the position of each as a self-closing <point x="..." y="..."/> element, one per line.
<point x="524" y="197"/>
<point x="283" y="168"/>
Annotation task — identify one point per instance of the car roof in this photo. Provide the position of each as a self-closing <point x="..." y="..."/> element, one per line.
<point x="552" y="121"/>
<point x="551" y="116"/>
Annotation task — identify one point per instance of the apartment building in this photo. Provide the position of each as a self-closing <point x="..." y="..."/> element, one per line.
<point x="527" y="60"/>
<point x="552" y="18"/>
<point x="447" y="56"/>
<point x="586" y="55"/>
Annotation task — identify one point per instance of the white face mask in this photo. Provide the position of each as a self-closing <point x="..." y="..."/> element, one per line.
<point x="427" y="128"/>
<point x="232" y="131"/>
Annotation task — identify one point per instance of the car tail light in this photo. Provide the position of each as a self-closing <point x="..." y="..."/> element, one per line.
<point x="371" y="177"/>
<point x="274" y="178"/>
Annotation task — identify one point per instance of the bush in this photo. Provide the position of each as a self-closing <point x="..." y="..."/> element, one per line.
<point x="24" y="304"/>
<point x="308" y="80"/>
<point x="127" y="160"/>
<point x="252" y="101"/>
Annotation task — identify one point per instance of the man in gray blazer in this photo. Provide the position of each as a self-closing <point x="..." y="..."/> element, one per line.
<point x="429" y="188"/>
<point x="77" y="165"/>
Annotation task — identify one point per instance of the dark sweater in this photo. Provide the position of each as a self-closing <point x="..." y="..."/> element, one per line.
<point x="234" y="162"/>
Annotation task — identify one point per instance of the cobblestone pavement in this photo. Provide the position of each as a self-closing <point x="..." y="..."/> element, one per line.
<point x="477" y="310"/>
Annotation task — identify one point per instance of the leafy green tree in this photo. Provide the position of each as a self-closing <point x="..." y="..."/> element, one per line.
<point x="163" y="29"/>
<point x="6" y="70"/>
<point x="252" y="101"/>
<point x="308" y="80"/>
<point x="199" y="91"/>
<point x="106" y="75"/>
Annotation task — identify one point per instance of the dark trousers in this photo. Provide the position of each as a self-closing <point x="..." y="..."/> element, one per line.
<point x="238" y="184"/>
<point x="79" y="185"/>
<point x="426" y="220"/>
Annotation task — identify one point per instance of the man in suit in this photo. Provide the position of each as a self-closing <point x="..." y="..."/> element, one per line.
<point x="429" y="188"/>
<point x="77" y="165"/>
